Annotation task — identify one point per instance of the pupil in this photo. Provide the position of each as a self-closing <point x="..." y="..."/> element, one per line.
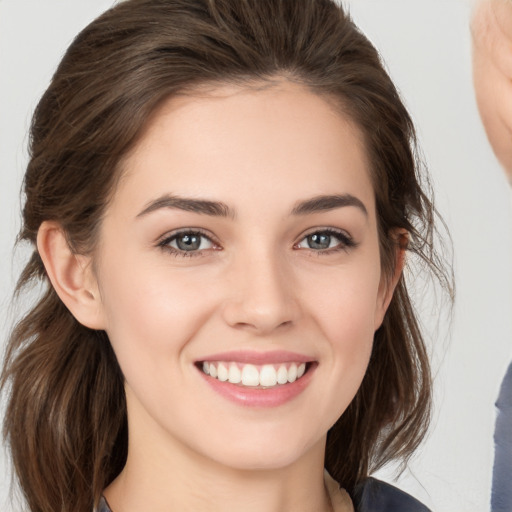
<point x="188" y="242"/>
<point x="319" y="241"/>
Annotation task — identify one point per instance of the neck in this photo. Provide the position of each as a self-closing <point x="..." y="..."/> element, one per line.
<point x="187" y="482"/>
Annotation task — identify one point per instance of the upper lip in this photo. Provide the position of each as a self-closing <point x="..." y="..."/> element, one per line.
<point x="258" y="358"/>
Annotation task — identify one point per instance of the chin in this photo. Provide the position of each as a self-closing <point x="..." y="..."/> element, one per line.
<point x="266" y="456"/>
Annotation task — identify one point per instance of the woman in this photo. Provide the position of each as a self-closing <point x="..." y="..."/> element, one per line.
<point x="491" y="28"/>
<point x="220" y="196"/>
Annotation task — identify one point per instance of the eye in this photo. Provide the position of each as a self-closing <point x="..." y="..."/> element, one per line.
<point x="326" y="240"/>
<point x="187" y="243"/>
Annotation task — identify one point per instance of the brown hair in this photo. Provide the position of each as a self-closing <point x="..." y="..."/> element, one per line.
<point x="66" y="414"/>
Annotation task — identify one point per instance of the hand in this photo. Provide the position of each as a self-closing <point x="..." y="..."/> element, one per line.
<point x="491" y="28"/>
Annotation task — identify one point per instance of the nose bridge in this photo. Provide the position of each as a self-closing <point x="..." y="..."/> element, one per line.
<point x="263" y="294"/>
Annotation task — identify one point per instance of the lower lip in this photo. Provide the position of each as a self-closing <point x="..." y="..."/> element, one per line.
<point x="258" y="397"/>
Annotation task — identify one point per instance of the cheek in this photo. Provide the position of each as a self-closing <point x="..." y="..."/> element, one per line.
<point x="350" y="328"/>
<point x="345" y="305"/>
<point x="152" y="313"/>
<point x="152" y="316"/>
<point x="344" y="309"/>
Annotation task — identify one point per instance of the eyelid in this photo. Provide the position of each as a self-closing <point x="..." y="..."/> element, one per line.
<point x="346" y="239"/>
<point x="163" y="241"/>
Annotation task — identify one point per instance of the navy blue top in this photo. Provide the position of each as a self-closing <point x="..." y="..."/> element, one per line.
<point x="501" y="497"/>
<point x="370" y="496"/>
<point x="376" y="496"/>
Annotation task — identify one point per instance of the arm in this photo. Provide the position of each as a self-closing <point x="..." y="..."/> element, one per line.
<point x="491" y="29"/>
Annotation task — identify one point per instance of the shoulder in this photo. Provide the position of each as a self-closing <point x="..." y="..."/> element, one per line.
<point x="505" y="398"/>
<point x="373" y="495"/>
<point x="503" y="432"/>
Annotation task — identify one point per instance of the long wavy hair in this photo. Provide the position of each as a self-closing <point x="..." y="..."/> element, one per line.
<point x="65" y="421"/>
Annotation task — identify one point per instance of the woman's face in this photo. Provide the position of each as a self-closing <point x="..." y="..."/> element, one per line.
<point x="241" y="242"/>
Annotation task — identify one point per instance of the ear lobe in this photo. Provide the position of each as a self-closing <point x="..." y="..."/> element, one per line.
<point x="71" y="275"/>
<point x="388" y="283"/>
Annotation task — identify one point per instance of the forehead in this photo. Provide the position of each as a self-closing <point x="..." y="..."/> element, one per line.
<point x="227" y="141"/>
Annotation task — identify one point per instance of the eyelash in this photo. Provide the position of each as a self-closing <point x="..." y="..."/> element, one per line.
<point x="346" y="242"/>
<point x="164" y="243"/>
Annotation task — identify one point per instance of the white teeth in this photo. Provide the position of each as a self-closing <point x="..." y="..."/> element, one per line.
<point x="250" y="375"/>
<point x="292" y="373"/>
<point x="267" y="375"/>
<point x="282" y="375"/>
<point x="222" y="373"/>
<point x="235" y="375"/>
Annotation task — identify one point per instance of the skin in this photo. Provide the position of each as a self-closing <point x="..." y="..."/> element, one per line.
<point x="256" y="286"/>
<point x="491" y="28"/>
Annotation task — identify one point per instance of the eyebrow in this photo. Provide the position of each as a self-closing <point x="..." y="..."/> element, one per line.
<point x="326" y="203"/>
<point x="202" y="206"/>
<point x="220" y="209"/>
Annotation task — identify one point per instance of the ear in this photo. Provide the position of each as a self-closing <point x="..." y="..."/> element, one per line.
<point x="388" y="283"/>
<point x="71" y="275"/>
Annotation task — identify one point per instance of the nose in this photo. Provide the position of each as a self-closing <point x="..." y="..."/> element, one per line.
<point x="262" y="296"/>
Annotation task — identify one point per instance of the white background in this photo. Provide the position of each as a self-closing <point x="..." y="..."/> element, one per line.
<point x="426" y="45"/>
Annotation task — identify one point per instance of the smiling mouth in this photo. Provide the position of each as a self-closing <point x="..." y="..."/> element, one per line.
<point x="255" y="376"/>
